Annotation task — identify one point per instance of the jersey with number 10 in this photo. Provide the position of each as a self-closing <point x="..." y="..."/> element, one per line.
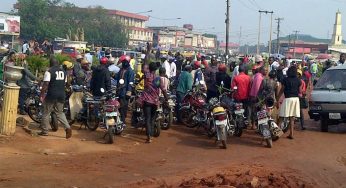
<point x="56" y="87"/>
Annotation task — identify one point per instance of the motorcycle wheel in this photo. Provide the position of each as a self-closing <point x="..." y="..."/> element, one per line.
<point x="269" y="142"/>
<point x="285" y="125"/>
<point x="186" y="119"/>
<point x="34" y="113"/>
<point x="92" y="122"/>
<point x="223" y="137"/>
<point x="238" y="130"/>
<point x="110" y="136"/>
<point x="54" y="123"/>
<point x="157" y="129"/>
<point x="168" y="121"/>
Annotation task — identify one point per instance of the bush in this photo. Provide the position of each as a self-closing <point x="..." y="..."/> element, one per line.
<point x="61" y="58"/>
<point x="37" y="63"/>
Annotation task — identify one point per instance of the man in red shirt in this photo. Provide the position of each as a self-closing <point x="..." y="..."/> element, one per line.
<point x="242" y="82"/>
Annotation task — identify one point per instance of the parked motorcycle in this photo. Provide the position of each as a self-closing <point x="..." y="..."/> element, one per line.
<point x="166" y="111"/>
<point x="266" y="125"/>
<point x="194" y="108"/>
<point x="235" y="110"/>
<point x="110" y="116"/>
<point x="219" y="122"/>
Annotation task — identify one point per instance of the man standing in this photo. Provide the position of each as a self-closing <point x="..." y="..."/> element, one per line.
<point x="88" y="56"/>
<point x="255" y="86"/>
<point x="25" y="85"/>
<point x="25" y="48"/>
<point x="125" y="91"/>
<point x="313" y="70"/>
<point x="54" y="85"/>
<point x="184" y="85"/>
<point x="210" y="78"/>
<point x="171" y="68"/>
<point x="342" y="59"/>
<point x="100" y="78"/>
<point x="242" y="82"/>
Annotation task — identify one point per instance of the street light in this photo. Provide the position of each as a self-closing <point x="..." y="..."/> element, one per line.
<point x="165" y="18"/>
<point x="144" y="12"/>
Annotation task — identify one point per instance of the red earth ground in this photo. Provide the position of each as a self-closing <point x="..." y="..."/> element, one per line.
<point x="179" y="157"/>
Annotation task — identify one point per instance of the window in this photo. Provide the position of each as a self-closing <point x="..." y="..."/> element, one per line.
<point x="332" y="80"/>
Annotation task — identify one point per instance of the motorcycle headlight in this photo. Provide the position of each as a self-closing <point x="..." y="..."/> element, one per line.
<point x="110" y="121"/>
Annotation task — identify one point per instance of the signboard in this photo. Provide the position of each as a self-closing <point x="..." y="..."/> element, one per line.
<point x="9" y="25"/>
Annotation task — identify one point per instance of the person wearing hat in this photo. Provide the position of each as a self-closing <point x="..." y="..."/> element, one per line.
<point x="78" y="73"/>
<point x="185" y="81"/>
<point x="100" y="78"/>
<point x="171" y="68"/>
<point x="254" y="91"/>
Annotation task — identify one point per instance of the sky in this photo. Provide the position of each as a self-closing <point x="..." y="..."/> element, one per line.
<point x="314" y="17"/>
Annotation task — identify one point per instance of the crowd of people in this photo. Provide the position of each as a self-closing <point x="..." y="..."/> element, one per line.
<point x="284" y="81"/>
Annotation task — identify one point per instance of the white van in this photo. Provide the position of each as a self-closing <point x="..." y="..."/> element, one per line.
<point x="328" y="98"/>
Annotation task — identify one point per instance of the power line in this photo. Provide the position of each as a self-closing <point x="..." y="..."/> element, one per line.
<point x="241" y="2"/>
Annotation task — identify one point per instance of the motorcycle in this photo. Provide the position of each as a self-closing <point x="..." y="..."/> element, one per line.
<point x="266" y="125"/>
<point x="103" y="112"/>
<point x="34" y="108"/>
<point x="235" y="111"/>
<point x="166" y="111"/>
<point x="110" y="116"/>
<point x="219" y="122"/>
<point x="194" y="108"/>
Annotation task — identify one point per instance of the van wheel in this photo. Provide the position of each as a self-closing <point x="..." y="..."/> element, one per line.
<point x="324" y="125"/>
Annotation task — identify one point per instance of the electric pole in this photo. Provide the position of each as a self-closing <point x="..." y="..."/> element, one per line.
<point x="270" y="35"/>
<point x="259" y="29"/>
<point x="294" y="43"/>
<point x="278" y="35"/>
<point x="227" y="30"/>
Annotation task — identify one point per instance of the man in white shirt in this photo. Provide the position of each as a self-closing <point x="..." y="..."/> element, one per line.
<point x="88" y="57"/>
<point x="25" y="47"/>
<point x="171" y="68"/>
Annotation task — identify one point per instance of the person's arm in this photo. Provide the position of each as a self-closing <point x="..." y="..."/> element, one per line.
<point x="189" y="82"/>
<point x="174" y="72"/>
<point x="30" y="75"/>
<point x="45" y="85"/>
<point x="108" y="82"/>
<point x="131" y="78"/>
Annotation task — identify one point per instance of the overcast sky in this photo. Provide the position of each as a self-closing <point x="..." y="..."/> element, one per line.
<point x="315" y="17"/>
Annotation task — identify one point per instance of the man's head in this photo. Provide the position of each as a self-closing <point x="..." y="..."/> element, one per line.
<point x="153" y="67"/>
<point x="271" y="60"/>
<point x="53" y="62"/>
<point x="132" y="55"/>
<point x="262" y="70"/>
<point x="188" y="68"/>
<point x="258" y="59"/>
<point x="342" y="57"/>
<point x="241" y="68"/>
<point x="162" y="71"/>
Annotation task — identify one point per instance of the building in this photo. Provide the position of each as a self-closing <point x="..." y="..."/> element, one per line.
<point x="135" y="23"/>
<point x="336" y="45"/>
<point x="173" y="37"/>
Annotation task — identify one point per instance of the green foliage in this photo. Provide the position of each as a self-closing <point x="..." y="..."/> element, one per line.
<point x="37" y="63"/>
<point x="54" y="18"/>
<point x="61" y="58"/>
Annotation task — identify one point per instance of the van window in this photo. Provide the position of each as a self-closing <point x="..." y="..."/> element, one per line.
<point x="332" y="80"/>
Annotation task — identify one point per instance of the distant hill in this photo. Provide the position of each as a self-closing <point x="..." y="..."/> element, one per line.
<point x="307" y="38"/>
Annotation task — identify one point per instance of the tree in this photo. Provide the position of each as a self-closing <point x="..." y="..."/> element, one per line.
<point x="54" y="18"/>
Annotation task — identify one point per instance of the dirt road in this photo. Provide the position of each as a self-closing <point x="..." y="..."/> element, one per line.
<point x="179" y="157"/>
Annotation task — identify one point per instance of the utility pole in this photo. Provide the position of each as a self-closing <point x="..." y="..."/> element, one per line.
<point x="271" y="32"/>
<point x="259" y="32"/>
<point x="259" y="29"/>
<point x="227" y="30"/>
<point x="240" y="37"/>
<point x="278" y="35"/>
<point x="294" y="43"/>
